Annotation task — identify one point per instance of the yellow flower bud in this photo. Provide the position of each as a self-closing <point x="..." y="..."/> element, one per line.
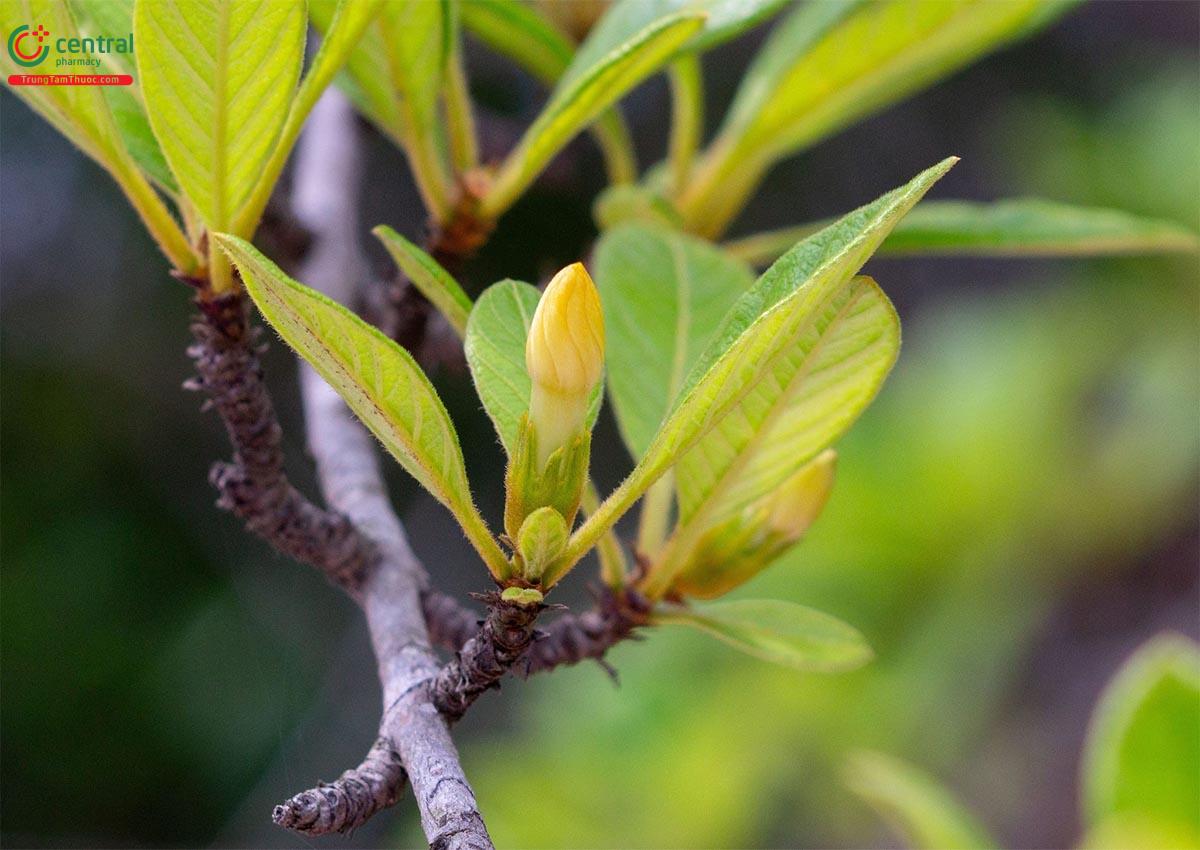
<point x="797" y="503"/>
<point x="740" y="547"/>
<point x="564" y="354"/>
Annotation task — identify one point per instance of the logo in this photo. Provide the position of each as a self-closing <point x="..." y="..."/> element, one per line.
<point x="27" y="47"/>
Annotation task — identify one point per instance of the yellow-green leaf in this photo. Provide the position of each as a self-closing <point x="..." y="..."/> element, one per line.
<point x="347" y="22"/>
<point x="664" y="295"/>
<point x="723" y="20"/>
<point x="776" y="631"/>
<point x="394" y="75"/>
<point x="114" y="19"/>
<point x="831" y="63"/>
<point x="84" y="116"/>
<point x="580" y="96"/>
<point x="379" y="381"/>
<point x="759" y="329"/>
<point x="1022" y="227"/>
<point x="1142" y="757"/>
<point x="433" y="281"/>
<point x="515" y="30"/>
<point x="218" y="77"/>
<point x="833" y="367"/>
<point x="925" y="813"/>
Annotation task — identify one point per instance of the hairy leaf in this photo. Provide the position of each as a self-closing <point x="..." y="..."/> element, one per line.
<point x="664" y="295"/>
<point x="379" y="381"/>
<point x="580" y="96"/>
<point x="1142" y="758"/>
<point x="831" y="63"/>
<point x="84" y="116"/>
<point x="1025" y="227"/>
<point x="80" y="113"/>
<point x="114" y="18"/>
<point x="495" y="349"/>
<point x="724" y="19"/>
<point x="781" y="632"/>
<point x="923" y="811"/>
<point x="394" y="76"/>
<point x="757" y="330"/>
<point x="515" y="30"/>
<point x="218" y="77"/>
<point x="831" y="370"/>
<point x="346" y="23"/>
<point x="433" y="281"/>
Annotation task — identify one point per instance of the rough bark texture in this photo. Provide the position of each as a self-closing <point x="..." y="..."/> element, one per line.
<point x="253" y="485"/>
<point x="579" y="637"/>
<point x="349" y="800"/>
<point x="325" y="201"/>
<point x="484" y="659"/>
<point x="569" y="639"/>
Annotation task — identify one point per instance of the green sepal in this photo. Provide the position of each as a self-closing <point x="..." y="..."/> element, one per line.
<point x="559" y="484"/>
<point x="522" y="595"/>
<point x="542" y="538"/>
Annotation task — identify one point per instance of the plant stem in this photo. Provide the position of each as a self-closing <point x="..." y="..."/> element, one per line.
<point x="720" y="184"/>
<point x="460" y="119"/>
<point x="656" y="515"/>
<point x="613" y="566"/>
<point x="158" y="219"/>
<point x="687" y="118"/>
<point x="612" y="135"/>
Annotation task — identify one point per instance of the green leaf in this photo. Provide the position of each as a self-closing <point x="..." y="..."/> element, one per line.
<point x="433" y="281"/>
<point x="580" y="96"/>
<point x="664" y="295"/>
<point x="345" y="25"/>
<point x="724" y="19"/>
<point x="495" y="349"/>
<point x="826" y="67"/>
<point x="83" y="115"/>
<point x="921" y="810"/>
<point x="776" y="631"/>
<point x="394" y="75"/>
<point x="760" y="328"/>
<point x="372" y="91"/>
<point x="379" y="381"/>
<point x="1142" y="757"/>
<point x="541" y="539"/>
<point x="114" y="18"/>
<point x="513" y="29"/>
<point x="80" y="113"/>
<point x="831" y="63"/>
<point x="833" y="368"/>
<point x="129" y="114"/>
<point x="218" y="77"/>
<point x="1025" y="227"/>
<point x="1030" y="227"/>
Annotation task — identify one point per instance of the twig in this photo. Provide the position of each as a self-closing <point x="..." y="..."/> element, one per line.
<point x="570" y="639"/>
<point x="327" y="176"/>
<point x="253" y="485"/>
<point x="483" y="660"/>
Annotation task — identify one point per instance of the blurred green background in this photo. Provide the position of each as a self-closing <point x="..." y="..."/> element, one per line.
<point x="1015" y="514"/>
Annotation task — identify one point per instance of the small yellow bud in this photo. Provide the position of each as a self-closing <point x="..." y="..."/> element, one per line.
<point x="565" y="349"/>
<point x="797" y="503"/>
<point x="564" y="354"/>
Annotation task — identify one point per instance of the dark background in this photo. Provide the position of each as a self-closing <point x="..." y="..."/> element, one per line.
<point x="1015" y="514"/>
